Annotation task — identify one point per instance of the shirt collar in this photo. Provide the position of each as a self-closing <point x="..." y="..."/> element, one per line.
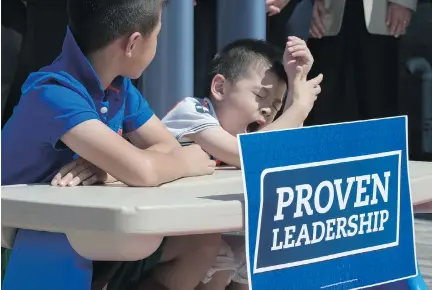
<point x="81" y="69"/>
<point x="206" y="102"/>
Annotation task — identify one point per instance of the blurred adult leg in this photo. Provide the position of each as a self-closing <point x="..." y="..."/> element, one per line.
<point x="376" y="65"/>
<point x="204" y="44"/>
<point x="294" y="20"/>
<point x="330" y="54"/>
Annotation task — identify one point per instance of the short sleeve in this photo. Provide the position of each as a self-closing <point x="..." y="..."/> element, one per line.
<point x="137" y="110"/>
<point x="46" y="112"/>
<point x="189" y="117"/>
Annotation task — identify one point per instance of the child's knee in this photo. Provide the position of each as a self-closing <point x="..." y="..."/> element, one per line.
<point x="207" y="245"/>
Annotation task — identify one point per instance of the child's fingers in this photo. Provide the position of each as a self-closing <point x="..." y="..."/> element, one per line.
<point x="82" y="176"/>
<point x="210" y="170"/>
<point x="317" y="90"/>
<point x="299" y="73"/>
<point x="297" y="41"/>
<point x="298" y="47"/>
<point x="65" y="169"/>
<point x="294" y="38"/>
<point x="95" y="178"/>
<point x="300" y="53"/>
<point x="90" y="181"/>
<point x="317" y="80"/>
<point x="73" y="173"/>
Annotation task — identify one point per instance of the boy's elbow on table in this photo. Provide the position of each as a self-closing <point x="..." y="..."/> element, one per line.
<point x="145" y="177"/>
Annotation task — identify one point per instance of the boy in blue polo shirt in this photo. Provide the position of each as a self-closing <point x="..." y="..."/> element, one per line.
<point x="79" y="106"/>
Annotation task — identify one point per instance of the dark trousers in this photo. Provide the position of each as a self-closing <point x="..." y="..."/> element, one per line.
<point x="205" y="46"/>
<point x="42" y="42"/>
<point x="360" y="72"/>
<point x="294" y="20"/>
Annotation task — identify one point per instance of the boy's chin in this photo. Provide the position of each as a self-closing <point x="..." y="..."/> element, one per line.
<point x="133" y="75"/>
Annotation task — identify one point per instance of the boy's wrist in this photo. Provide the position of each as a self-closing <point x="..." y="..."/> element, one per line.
<point x="290" y="81"/>
<point x="179" y="160"/>
<point x="300" y="109"/>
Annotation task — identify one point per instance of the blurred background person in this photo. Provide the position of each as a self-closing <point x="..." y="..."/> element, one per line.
<point x="43" y="26"/>
<point x="356" y="46"/>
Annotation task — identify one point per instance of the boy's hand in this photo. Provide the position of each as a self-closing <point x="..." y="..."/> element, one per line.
<point x="79" y="171"/>
<point x="195" y="160"/>
<point x="305" y="92"/>
<point x="296" y="54"/>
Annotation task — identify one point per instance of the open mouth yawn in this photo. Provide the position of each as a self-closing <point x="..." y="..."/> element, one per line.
<point x="254" y="126"/>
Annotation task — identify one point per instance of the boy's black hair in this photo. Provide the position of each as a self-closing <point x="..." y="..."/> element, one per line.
<point x="96" y="23"/>
<point x="236" y="59"/>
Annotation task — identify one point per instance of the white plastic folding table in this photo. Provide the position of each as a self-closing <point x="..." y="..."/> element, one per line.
<point x="128" y="223"/>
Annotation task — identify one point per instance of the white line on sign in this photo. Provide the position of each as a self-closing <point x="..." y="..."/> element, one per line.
<point x="339" y="283"/>
<point x="395" y="243"/>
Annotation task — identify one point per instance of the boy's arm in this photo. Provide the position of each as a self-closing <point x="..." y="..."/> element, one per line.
<point x="60" y="115"/>
<point x="302" y="93"/>
<point x="142" y="127"/>
<point x="189" y="121"/>
<point x="153" y="135"/>
<point x="124" y="161"/>
<point x="293" y="117"/>
<point x="218" y="143"/>
<point x="224" y="146"/>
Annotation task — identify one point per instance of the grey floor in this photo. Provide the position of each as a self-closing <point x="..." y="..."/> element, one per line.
<point x="423" y="230"/>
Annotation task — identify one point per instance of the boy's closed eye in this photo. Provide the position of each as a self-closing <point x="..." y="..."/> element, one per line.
<point x="261" y="92"/>
<point x="260" y="96"/>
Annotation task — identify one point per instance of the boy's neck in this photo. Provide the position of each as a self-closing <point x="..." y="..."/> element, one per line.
<point x="215" y="105"/>
<point x="105" y="67"/>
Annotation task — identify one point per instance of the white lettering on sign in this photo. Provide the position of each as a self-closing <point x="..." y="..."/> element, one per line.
<point x="328" y="195"/>
<point x="330" y="229"/>
<point x="305" y="192"/>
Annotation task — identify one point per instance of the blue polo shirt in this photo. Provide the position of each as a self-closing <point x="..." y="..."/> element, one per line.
<point x="54" y="100"/>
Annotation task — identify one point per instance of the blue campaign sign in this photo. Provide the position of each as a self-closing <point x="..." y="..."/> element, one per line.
<point x="328" y="207"/>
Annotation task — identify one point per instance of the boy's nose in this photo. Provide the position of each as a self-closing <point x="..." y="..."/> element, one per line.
<point x="265" y="112"/>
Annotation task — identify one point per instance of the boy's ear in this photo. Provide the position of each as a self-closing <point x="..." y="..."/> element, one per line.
<point x="217" y="87"/>
<point x="132" y="42"/>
